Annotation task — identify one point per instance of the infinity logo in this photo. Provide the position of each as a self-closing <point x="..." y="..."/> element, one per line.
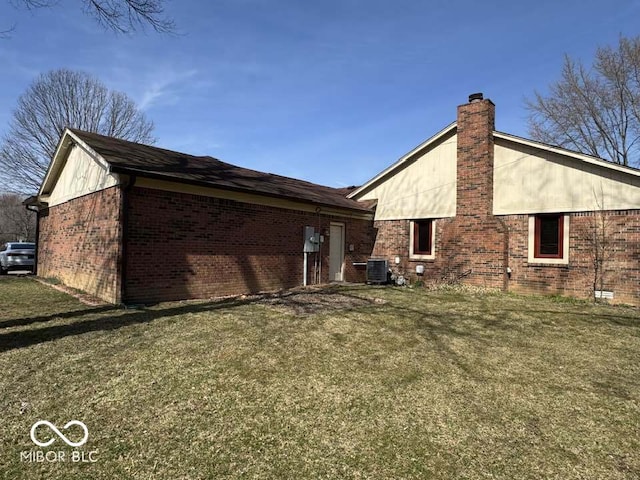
<point x="59" y="433"/>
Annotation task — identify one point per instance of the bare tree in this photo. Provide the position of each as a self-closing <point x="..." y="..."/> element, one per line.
<point x="595" y="110"/>
<point x="55" y="100"/>
<point x="598" y="234"/>
<point x="602" y="254"/>
<point x="122" y="16"/>
<point x="16" y="222"/>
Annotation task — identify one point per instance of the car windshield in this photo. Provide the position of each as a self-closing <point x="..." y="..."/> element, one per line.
<point x="23" y="246"/>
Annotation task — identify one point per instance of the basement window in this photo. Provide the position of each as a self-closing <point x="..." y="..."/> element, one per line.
<point x="421" y="239"/>
<point x="549" y="239"/>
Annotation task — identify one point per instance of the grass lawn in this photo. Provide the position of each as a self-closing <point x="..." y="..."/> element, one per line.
<point x="347" y="382"/>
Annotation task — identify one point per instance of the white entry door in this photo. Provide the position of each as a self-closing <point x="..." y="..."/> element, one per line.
<point x="336" y="252"/>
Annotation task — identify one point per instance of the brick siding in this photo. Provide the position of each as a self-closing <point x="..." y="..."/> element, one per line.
<point x="79" y="243"/>
<point x="621" y="259"/>
<point x="476" y="247"/>
<point x="471" y="249"/>
<point x="474" y="187"/>
<point x="454" y="257"/>
<point x="182" y="246"/>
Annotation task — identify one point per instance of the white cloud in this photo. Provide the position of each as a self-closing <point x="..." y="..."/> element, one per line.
<point x="165" y="88"/>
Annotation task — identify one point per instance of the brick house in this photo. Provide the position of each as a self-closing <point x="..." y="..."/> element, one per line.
<point x="132" y="223"/>
<point x="496" y="210"/>
<point x="136" y="224"/>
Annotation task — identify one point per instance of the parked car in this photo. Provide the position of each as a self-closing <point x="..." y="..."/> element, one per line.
<point x="17" y="256"/>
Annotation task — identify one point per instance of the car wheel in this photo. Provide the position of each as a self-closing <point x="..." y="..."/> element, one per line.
<point x="3" y="271"/>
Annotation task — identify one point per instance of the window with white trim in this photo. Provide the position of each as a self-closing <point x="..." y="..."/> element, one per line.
<point x="422" y="239"/>
<point x="549" y="238"/>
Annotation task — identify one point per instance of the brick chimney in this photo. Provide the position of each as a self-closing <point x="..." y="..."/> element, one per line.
<point x="475" y="126"/>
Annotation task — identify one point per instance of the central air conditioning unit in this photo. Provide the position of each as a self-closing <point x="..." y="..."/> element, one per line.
<point x="377" y="270"/>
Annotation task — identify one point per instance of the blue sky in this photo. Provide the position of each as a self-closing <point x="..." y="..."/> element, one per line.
<point x="331" y="92"/>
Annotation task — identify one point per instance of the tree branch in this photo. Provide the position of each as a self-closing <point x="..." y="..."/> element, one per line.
<point x="594" y="111"/>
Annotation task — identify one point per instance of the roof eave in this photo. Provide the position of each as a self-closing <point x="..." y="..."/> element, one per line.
<point x="54" y="166"/>
<point x="568" y="153"/>
<point x="155" y="176"/>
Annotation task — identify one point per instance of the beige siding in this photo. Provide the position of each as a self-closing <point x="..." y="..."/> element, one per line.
<point x="531" y="180"/>
<point x="423" y="187"/>
<point x="80" y="175"/>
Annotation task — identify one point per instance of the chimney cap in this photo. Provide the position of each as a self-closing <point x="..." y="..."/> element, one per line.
<point x="476" y="97"/>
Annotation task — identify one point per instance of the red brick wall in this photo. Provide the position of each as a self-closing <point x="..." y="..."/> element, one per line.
<point x="474" y="242"/>
<point x="474" y="247"/>
<point x="453" y="256"/>
<point x="182" y="246"/>
<point x="79" y="243"/>
<point x="474" y="187"/>
<point x="621" y="259"/>
<point x="472" y="250"/>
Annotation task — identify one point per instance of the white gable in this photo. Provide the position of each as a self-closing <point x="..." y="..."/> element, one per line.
<point x="529" y="177"/>
<point x="422" y="184"/>
<point x="77" y="172"/>
<point x="534" y="178"/>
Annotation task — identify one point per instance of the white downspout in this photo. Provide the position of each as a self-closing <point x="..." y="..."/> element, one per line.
<point x="304" y="280"/>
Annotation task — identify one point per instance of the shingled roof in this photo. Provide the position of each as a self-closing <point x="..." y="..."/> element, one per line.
<point x="153" y="162"/>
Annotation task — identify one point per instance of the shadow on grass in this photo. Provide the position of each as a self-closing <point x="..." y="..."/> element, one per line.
<point x="297" y="301"/>
<point x="21" y="322"/>
<point x="440" y="329"/>
<point x="590" y="318"/>
<point x="578" y="309"/>
<point x="441" y="326"/>
<point x="437" y="325"/>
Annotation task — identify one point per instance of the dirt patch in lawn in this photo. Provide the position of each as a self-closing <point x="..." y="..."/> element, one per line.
<point x="306" y="302"/>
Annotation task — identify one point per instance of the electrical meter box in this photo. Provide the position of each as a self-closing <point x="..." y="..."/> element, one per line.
<point x="311" y="240"/>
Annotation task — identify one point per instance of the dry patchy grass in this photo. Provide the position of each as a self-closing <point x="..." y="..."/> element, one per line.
<point x="342" y="382"/>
